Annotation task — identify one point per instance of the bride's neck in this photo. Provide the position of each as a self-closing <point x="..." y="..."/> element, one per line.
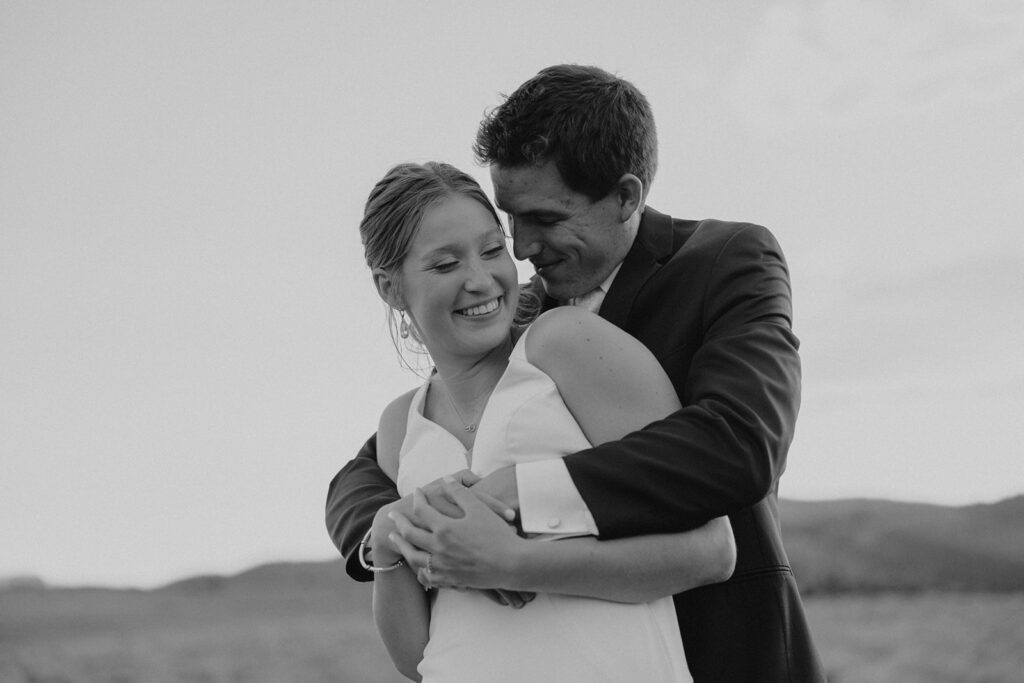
<point x="467" y="379"/>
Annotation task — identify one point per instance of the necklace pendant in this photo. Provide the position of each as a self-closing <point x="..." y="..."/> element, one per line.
<point x="470" y="428"/>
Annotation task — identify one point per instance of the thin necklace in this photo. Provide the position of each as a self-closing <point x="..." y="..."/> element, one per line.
<point x="467" y="426"/>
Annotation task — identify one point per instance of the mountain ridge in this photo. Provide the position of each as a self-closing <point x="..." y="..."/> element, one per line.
<point x="835" y="546"/>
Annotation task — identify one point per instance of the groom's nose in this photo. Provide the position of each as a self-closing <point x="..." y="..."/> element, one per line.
<point x="525" y="240"/>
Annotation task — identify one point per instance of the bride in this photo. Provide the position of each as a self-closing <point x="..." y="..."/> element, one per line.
<point x="502" y="393"/>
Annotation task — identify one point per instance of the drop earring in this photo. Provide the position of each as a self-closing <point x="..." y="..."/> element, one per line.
<point x="403" y="327"/>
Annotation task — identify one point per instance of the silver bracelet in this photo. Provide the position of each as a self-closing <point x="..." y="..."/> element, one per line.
<point x="369" y="567"/>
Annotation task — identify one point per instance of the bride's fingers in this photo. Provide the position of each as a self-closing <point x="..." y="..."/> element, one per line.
<point x="430" y="576"/>
<point x="429" y="579"/>
<point x="411" y="533"/>
<point x="413" y="555"/>
<point x="425" y="515"/>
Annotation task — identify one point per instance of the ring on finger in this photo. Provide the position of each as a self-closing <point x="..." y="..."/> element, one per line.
<point x="430" y="566"/>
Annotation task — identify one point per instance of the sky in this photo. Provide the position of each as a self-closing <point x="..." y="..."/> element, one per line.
<point x="190" y="344"/>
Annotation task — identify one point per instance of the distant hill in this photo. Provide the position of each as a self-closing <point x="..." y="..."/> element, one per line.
<point x="834" y="546"/>
<point x="839" y="546"/>
<point x="23" y="582"/>
<point x="865" y="545"/>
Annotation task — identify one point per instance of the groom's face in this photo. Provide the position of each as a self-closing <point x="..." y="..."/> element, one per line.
<point x="573" y="243"/>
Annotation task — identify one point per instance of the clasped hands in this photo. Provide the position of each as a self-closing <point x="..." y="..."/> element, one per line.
<point x="454" y="532"/>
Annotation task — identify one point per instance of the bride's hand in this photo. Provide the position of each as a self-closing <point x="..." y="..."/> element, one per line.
<point x="383" y="552"/>
<point x="476" y="550"/>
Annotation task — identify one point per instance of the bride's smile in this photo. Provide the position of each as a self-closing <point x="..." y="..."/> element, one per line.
<point x="481" y="309"/>
<point x="458" y="283"/>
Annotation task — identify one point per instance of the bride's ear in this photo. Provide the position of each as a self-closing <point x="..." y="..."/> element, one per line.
<point x="387" y="288"/>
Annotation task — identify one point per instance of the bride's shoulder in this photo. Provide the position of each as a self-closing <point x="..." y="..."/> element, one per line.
<point x="570" y="339"/>
<point x="562" y="324"/>
<point x="391" y="432"/>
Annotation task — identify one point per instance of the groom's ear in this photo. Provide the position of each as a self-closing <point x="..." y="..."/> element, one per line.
<point x="629" y="192"/>
<point x="386" y="288"/>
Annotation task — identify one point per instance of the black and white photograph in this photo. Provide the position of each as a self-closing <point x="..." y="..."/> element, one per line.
<point x="453" y="342"/>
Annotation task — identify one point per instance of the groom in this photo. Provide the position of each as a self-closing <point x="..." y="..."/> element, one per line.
<point x="712" y="301"/>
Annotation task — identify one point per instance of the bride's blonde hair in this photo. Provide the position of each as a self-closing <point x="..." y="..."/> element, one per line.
<point x="392" y="216"/>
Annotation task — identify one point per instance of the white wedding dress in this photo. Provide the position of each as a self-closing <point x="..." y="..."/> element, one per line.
<point x="555" y="637"/>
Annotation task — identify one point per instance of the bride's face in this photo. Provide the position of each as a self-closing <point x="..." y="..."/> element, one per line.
<point x="458" y="281"/>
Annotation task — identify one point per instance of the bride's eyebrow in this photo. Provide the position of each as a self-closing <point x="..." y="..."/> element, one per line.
<point x="439" y="252"/>
<point x="454" y="249"/>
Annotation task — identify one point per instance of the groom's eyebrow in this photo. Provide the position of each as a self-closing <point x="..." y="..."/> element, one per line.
<point x="540" y="213"/>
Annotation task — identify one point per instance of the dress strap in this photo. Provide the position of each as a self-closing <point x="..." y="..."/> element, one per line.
<point x="519" y="349"/>
<point x="416" y="408"/>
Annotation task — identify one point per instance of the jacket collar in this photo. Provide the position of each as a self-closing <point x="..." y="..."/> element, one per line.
<point x="653" y="244"/>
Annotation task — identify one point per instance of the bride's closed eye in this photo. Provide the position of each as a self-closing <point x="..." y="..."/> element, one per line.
<point x="445" y="267"/>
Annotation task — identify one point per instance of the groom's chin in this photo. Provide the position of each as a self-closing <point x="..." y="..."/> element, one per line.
<point x="551" y="289"/>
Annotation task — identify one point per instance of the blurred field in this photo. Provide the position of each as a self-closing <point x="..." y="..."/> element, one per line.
<point x="924" y="638"/>
<point x="276" y="627"/>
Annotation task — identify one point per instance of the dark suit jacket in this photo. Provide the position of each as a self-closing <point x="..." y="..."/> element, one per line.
<point x="712" y="301"/>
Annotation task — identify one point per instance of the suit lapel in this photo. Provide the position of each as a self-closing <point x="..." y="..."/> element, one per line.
<point x="653" y="243"/>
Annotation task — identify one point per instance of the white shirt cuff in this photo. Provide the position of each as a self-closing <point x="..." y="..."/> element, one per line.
<point x="549" y="502"/>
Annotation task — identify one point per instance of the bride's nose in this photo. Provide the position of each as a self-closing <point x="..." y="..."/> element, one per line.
<point x="478" y="277"/>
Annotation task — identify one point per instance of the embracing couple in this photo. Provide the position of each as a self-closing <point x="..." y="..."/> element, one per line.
<point x="584" y="488"/>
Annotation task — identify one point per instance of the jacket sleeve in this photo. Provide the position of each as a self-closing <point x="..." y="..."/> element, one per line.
<point x="725" y="449"/>
<point x="353" y="498"/>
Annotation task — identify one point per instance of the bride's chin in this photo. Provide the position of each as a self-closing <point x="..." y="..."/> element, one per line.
<point x="486" y="339"/>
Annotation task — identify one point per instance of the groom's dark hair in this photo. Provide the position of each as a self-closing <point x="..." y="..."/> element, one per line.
<point x="593" y="125"/>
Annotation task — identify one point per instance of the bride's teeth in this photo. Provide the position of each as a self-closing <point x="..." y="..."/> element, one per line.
<point x="480" y="310"/>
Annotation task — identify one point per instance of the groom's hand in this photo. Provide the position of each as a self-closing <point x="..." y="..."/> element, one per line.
<point x="439" y="499"/>
<point x="499" y="485"/>
<point x="513" y="599"/>
<point x="474" y="550"/>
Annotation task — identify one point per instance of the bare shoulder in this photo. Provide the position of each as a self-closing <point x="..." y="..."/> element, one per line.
<point x="572" y="340"/>
<point x="391" y="433"/>
<point x="611" y="383"/>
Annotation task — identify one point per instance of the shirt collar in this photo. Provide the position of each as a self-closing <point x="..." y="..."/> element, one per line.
<point x="593" y="299"/>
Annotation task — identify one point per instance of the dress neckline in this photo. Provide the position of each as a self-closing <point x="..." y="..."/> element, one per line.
<point x="421" y="399"/>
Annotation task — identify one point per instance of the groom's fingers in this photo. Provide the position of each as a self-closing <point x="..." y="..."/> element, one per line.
<point x="426" y="515"/>
<point x="513" y="599"/>
<point x="465" y="477"/>
<point x="470" y="500"/>
<point x="496" y="506"/>
<point x="456" y="490"/>
<point x="438" y="499"/>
